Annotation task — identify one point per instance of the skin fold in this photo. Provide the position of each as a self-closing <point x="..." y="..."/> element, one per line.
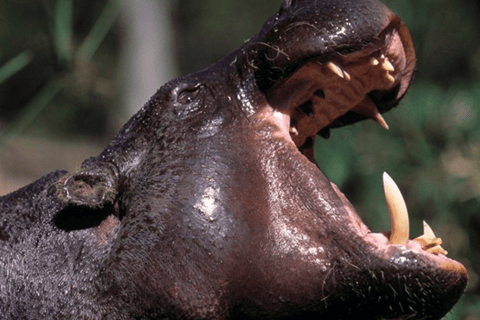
<point x="209" y="205"/>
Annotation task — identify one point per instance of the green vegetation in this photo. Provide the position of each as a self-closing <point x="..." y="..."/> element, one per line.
<point x="54" y="83"/>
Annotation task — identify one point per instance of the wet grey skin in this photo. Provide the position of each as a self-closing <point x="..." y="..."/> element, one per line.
<point x="209" y="205"/>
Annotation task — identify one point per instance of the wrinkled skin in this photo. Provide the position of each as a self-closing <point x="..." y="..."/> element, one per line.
<point x="208" y="205"/>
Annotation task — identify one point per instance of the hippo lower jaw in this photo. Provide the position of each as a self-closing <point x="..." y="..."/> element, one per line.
<point x="383" y="241"/>
<point x="396" y="262"/>
<point x="426" y="244"/>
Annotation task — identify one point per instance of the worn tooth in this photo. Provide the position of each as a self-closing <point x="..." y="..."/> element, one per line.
<point x="398" y="211"/>
<point x="436" y="250"/>
<point x="335" y="69"/>
<point x="374" y="62"/>
<point x="387" y="65"/>
<point x="390" y="78"/>
<point x="294" y="131"/>
<point x="368" y="109"/>
<point x="429" y="241"/>
<point x="347" y="75"/>
<point x="427" y="231"/>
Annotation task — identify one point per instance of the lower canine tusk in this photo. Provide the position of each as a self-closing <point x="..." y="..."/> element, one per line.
<point x="400" y="227"/>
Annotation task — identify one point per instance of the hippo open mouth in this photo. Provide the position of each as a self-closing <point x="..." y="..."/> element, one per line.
<point x="347" y="81"/>
<point x="346" y="87"/>
<point x="342" y="88"/>
<point x="209" y="204"/>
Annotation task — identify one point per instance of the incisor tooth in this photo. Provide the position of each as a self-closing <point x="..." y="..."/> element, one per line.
<point x="398" y="211"/>
<point x="294" y="131"/>
<point x="374" y="61"/>
<point x="335" y="69"/>
<point x="387" y="65"/>
<point x="427" y="231"/>
<point x="368" y="109"/>
<point x="436" y="250"/>
<point x="429" y="241"/>
<point x="390" y="78"/>
<point x="347" y="75"/>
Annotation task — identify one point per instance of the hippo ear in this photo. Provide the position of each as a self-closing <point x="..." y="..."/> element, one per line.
<point x="87" y="188"/>
<point x="88" y="198"/>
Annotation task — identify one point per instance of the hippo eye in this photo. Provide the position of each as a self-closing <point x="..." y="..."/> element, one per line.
<point x="189" y="100"/>
<point x="189" y="95"/>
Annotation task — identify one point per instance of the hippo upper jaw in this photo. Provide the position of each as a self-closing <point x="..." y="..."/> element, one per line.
<point x="351" y="84"/>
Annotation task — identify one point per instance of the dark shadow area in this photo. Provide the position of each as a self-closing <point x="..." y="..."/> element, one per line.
<point x="81" y="217"/>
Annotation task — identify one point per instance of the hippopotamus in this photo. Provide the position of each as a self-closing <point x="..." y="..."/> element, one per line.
<point x="209" y="204"/>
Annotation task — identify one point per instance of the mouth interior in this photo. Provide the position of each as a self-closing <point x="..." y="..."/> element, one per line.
<point x="344" y="88"/>
<point x="326" y="93"/>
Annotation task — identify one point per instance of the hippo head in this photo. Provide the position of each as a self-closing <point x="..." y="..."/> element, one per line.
<point x="211" y="201"/>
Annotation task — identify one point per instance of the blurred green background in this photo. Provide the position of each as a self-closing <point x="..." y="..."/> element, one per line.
<point x="71" y="72"/>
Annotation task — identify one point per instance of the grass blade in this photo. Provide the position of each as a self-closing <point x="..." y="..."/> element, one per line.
<point x="99" y="31"/>
<point x="63" y="30"/>
<point x="15" y="64"/>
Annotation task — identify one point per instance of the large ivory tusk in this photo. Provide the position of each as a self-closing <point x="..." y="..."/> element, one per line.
<point x="398" y="211"/>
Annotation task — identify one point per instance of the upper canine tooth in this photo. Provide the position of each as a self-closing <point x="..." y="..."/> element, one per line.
<point x="387" y="65"/>
<point x="400" y="228"/>
<point x="368" y="109"/>
<point x="379" y="119"/>
<point x="294" y="131"/>
<point x="335" y="69"/>
<point x="347" y="75"/>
